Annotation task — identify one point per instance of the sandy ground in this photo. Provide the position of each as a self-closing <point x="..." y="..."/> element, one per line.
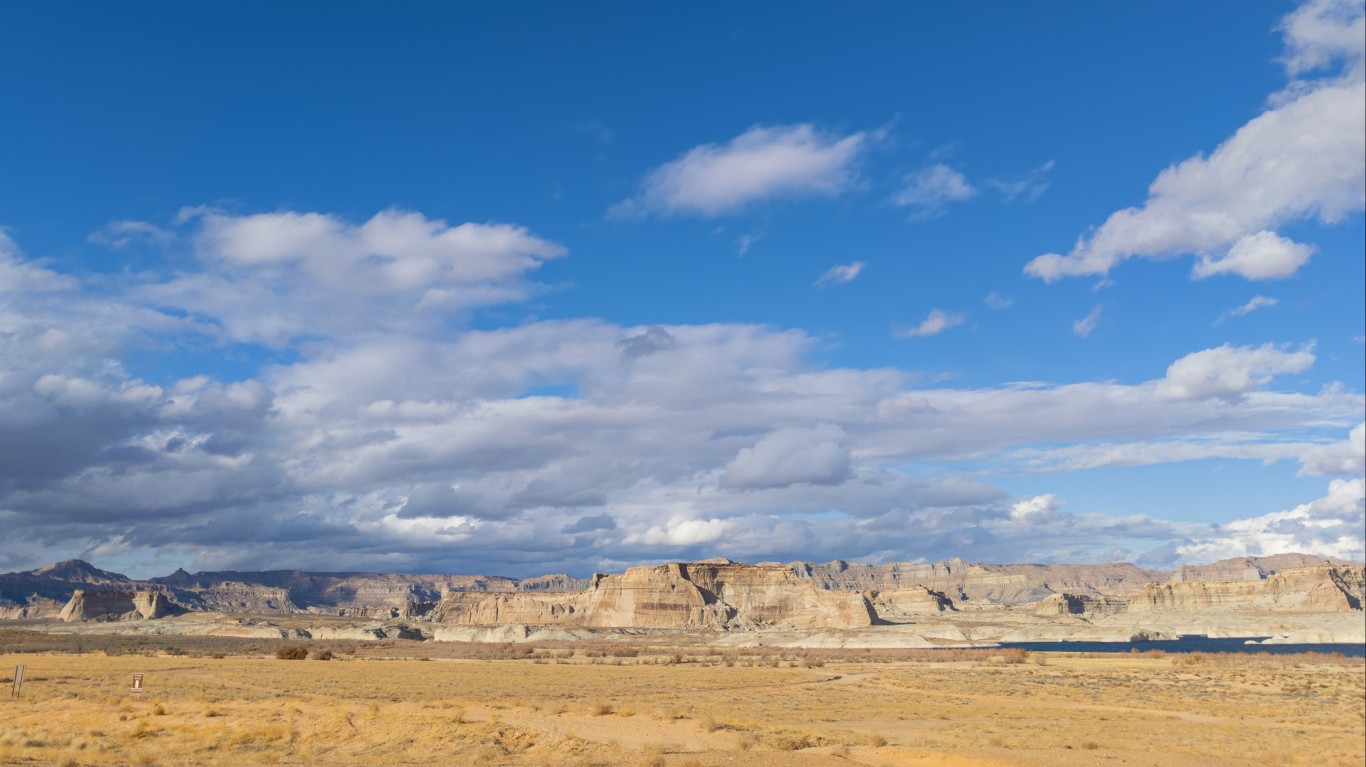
<point x="558" y="708"/>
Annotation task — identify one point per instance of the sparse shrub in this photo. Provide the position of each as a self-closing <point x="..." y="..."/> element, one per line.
<point x="602" y="709"/>
<point x="291" y="652"/>
<point x="326" y="654"/>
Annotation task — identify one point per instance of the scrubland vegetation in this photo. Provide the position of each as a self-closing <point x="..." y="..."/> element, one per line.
<point x="214" y="701"/>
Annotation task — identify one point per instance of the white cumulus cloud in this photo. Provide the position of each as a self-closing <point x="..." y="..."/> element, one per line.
<point x="789" y="456"/>
<point x="761" y="163"/>
<point x="1345" y="457"/>
<point x="1230" y="371"/>
<point x="272" y="277"/>
<point x="1303" y="158"/>
<point x="1039" y="508"/>
<point x="1260" y="256"/>
<point x="1328" y="526"/>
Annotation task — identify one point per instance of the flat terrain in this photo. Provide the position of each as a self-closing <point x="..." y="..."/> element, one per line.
<point x="386" y="704"/>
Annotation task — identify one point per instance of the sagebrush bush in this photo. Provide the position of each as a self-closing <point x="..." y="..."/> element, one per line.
<point x="291" y="652"/>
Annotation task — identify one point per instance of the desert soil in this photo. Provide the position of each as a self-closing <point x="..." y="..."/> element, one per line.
<point x="559" y="706"/>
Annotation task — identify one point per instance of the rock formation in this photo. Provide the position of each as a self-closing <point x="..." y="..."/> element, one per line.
<point x="1324" y="588"/>
<point x="1084" y="605"/>
<point x="948" y="602"/>
<point x="898" y="605"/>
<point x="1249" y="568"/>
<point x="116" y="605"/>
<point x="673" y="596"/>
<point x="974" y="583"/>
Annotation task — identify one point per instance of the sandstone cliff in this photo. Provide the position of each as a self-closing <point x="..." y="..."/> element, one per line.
<point x="673" y="596"/>
<point x="36" y="607"/>
<point x="899" y="605"/>
<point x="1249" y="568"/>
<point x="973" y="583"/>
<point x="1324" y="588"/>
<point x="112" y="605"/>
<point x="1082" y="605"/>
<point x="960" y="601"/>
<point x="354" y="594"/>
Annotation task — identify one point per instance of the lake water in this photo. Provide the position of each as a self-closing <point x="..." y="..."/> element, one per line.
<point x="1190" y="644"/>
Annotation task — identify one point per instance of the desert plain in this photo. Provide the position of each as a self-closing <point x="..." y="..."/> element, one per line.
<point x="235" y="701"/>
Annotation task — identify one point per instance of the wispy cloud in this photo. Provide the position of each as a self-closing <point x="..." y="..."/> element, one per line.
<point x="998" y="301"/>
<point x="840" y="274"/>
<point x="596" y="130"/>
<point x="927" y="191"/>
<point x="1085" y="325"/>
<point x="763" y="163"/>
<point x="935" y="323"/>
<point x="1257" y="302"/>
<point x="120" y="234"/>
<point x="746" y="241"/>
<point x="1025" y="188"/>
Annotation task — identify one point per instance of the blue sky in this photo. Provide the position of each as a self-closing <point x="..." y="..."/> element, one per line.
<point x="519" y="288"/>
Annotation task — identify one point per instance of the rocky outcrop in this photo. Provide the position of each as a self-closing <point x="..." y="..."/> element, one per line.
<point x="56" y="583"/>
<point x="375" y="595"/>
<point x="1081" y="605"/>
<point x="36" y="607"/>
<point x="676" y="596"/>
<point x="115" y="605"/>
<point x="951" y="602"/>
<point x="1249" y="568"/>
<point x="972" y="583"/>
<point x="1325" y="588"/>
<point x="898" y="605"/>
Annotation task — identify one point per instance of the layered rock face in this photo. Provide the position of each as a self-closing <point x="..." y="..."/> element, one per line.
<point x="1261" y="594"/>
<point x="38" y="607"/>
<point x="377" y="595"/>
<point x="1082" y="605"/>
<point x="971" y="583"/>
<point x="673" y="596"/>
<point x="1325" y="588"/>
<point x="1249" y="568"/>
<point x="899" y="605"/>
<point x="113" y="605"/>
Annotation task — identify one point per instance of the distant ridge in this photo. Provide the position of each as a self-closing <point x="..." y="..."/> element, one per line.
<point x="367" y="594"/>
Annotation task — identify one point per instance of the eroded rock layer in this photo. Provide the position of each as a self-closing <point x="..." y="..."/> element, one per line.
<point x="1325" y="588"/>
<point x="672" y="596"/>
<point x="951" y="601"/>
<point x="112" y="605"/>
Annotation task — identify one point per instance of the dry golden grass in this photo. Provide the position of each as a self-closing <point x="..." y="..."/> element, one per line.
<point x="682" y="707"/>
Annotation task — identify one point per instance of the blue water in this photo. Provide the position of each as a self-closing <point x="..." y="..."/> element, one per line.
<point x="1189" y="644"/>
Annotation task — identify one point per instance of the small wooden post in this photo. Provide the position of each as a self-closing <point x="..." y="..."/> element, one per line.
<point x="18" y="686"/>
